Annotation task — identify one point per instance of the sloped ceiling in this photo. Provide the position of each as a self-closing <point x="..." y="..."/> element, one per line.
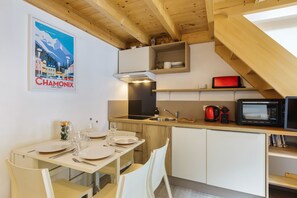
<point x="124" y="23"/>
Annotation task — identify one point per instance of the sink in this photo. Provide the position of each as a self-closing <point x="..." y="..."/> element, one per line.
<point x="163" y="119"/>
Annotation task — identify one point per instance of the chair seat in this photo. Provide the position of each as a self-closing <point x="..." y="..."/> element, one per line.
<point x="132" y="168"/>
<point x="66" y="189"/>
<point x="109" y="191"/>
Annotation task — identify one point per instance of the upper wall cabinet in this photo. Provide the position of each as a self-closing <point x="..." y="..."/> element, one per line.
<point x="159" y="59"/>
<point x="136" y="60"/>
<point x="171" y="58"/>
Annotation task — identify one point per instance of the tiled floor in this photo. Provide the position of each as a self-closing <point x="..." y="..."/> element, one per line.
<point x="180" y="192"/>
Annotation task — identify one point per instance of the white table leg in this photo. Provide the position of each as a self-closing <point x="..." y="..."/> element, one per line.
<point x="95" y="178"/>
<point x="117" y="172"/>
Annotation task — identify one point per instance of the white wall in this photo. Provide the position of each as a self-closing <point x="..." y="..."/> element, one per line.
<point x="27" y="116"/>
<point x="205" y="64"/>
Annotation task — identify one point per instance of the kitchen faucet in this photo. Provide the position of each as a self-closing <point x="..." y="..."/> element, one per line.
<point x="176" y="114"/>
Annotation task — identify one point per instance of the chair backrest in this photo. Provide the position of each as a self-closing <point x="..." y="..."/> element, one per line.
<point x="26" y="182"/>
<point x="158" y="167"/>
<point x="136" y="184"/>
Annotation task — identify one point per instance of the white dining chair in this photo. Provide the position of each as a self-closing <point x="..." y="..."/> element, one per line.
<point x="158" y="170"/>
<point x="125" y="161"/>
<point x="134" y="184"/>
<point x="36" y="183"/>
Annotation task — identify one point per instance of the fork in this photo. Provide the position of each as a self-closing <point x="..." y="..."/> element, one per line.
<point x="81" y="161"/>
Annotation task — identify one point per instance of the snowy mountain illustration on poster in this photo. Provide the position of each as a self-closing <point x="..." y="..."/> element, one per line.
<point x="52" y="57"/>
<point x="52" y="42"/>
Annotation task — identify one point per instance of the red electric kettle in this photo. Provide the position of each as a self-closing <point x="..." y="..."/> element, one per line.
<point x="212" y="113"/>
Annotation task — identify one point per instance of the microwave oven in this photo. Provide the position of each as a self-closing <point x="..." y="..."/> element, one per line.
<point x="265" y="112"/>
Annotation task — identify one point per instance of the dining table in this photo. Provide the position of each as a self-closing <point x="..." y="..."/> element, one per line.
<point x="66" y="157"/>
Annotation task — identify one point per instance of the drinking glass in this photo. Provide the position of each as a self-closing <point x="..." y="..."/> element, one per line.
<point x="111" y="133"/>
<point x="84" y="140"/>
<point x="113" y="127"/>
<point x="75" y="141"/>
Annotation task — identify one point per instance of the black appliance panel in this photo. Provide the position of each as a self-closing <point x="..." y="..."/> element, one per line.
<point x="291" y="113"/>
<point x="141" y="98"/>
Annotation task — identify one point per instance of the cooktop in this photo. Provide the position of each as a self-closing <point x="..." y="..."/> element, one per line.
<point x="136" y="117"/>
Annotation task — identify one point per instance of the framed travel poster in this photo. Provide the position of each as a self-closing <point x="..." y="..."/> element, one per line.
<point x="52" y="65"/>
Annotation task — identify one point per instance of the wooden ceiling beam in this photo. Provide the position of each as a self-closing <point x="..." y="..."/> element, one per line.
<point x="210" y="17"/>
<point x="116" y="15"/>
<point x="196" y="37"/>
<point x="249" y="6"/>
<point x="157" y="7"/>
<point x="74" y="18"/>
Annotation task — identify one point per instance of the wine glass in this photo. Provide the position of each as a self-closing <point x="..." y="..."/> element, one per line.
<point x="113" y="127"/>
<point x="75" y="141"/>
<point x="84" y="140"/>
<point x="111" y="133"/>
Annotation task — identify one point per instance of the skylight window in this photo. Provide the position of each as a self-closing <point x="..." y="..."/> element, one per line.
<point x="280" y="25"/>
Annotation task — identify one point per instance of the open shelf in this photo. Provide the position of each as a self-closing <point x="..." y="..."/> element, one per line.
<point x="283" y="181"/>
<point x="204" y="90"/>
<point x="171" y="52"/>
<point x="288" y="152"/>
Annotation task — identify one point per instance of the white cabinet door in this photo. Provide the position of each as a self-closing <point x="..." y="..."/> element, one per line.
<point x="189" y="154"/>
<point x="236" y="161"/>
<point x="136" y="60"/>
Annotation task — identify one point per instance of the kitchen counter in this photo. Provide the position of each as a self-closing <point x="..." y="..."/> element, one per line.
<point x="209" y="125"/>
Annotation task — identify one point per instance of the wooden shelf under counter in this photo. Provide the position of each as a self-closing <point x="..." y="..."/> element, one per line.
<point x="288" y="152"/>
<point x="283" y="181"/>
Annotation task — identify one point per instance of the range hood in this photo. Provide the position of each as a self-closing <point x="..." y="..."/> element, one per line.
<point x="136" y="77"/>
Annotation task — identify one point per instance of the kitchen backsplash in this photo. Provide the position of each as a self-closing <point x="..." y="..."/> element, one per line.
<point x="188" y="109"/>
<point x="193" y="109"/>
<point x="141" y="98"/>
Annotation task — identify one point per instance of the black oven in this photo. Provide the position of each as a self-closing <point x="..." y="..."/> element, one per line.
<point x="266" y="112"/>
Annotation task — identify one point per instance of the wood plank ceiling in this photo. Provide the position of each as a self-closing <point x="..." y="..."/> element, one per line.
<point x="126" y="23"/>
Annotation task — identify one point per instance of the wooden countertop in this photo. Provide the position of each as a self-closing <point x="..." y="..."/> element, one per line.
<point x="210" y="125"/>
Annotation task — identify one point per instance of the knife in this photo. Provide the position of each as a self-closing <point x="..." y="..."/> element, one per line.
<point x="61" y="154"/>
<point x="85" y="162"/>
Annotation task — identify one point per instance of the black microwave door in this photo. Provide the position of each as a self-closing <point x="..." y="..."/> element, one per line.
<point x="255" y="112"/>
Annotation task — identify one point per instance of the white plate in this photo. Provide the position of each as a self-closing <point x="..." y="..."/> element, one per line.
<point x="96" y="153"/>
<point x="125" y="139"/>
<point x="97" y="134"/>
<point x="52" y="147"/>
<point x="176" y="63"/>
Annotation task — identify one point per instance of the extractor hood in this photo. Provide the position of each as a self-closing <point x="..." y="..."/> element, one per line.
<point x="136" y="77"/>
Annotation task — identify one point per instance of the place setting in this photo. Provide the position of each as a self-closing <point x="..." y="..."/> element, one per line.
<point x="96" y="153"/>
<point x="97" y="134"/>
<point x="55" y="149"/>
<point x="124" y="140"/>
<point x="52" y="147"/>
<point x="120" y="141"/>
